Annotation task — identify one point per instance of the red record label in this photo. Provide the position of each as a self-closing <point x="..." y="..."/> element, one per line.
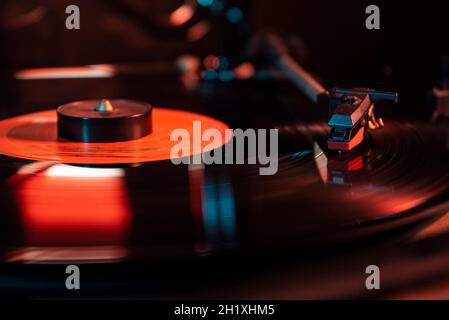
<point x="34" y="137"/>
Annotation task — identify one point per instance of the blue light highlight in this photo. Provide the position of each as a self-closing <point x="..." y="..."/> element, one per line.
<point x="219" y="215"/>
<point x="226" y="75"/>
<point x="209" y="75"/>
<point x="205" y="3"/>
<point x="216" y="7"/>
<point x="227" y="210"/>
<point x="234" y="15"/>
<point x="210" y="208"/>
<point x="302" y="154"/>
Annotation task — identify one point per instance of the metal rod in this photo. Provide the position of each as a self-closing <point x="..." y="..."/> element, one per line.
<point x="301" y="78"/>
<point x="374" y="95"/>
<point x="305" y="82"/>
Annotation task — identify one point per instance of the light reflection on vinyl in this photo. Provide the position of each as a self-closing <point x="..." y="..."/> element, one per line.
<point x="65" y="205"/>
<point x="153" y="210"/>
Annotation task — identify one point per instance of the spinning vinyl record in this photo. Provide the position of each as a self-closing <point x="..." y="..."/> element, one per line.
<point x="60" y="212"/>
<point x="35" y="137"/>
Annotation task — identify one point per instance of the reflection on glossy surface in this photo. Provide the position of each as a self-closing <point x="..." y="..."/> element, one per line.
<point x="62" y="205"/>
<point x="157" y="209"/>
<point x="83" y="72"/>
<point x="60" y="254"/>
<point x="219" y="212"/>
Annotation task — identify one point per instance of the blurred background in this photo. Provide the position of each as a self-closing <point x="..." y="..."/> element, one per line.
<point x="152" y="38"/>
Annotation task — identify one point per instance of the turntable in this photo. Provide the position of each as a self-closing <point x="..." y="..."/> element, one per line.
<point x="90" y="177"/>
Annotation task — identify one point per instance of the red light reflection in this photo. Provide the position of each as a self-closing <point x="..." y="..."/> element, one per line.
<point x="68" y="205"/>
<point x="181" y="15"/>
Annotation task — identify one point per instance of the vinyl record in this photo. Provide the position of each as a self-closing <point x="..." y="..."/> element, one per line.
<point x="34" y="137"/>
<point x="153" y="210"/>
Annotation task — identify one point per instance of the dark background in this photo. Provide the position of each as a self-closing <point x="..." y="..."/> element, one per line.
<point x="403" y="56"/>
